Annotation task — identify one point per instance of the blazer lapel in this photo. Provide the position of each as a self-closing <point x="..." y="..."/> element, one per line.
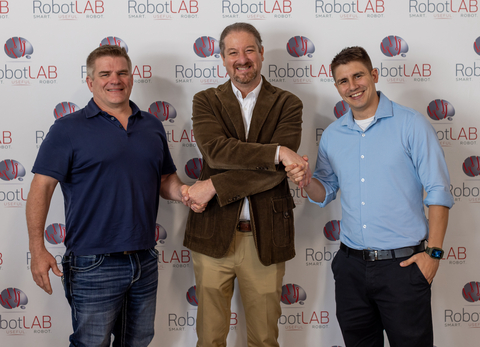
<point x="232" y="108"/>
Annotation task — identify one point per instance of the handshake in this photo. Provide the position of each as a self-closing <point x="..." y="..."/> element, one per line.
<point x="297" y="167"/>
<point x="198" y="195"/>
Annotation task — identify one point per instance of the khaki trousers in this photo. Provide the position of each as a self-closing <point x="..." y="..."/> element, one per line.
<point x="260" y="290"/>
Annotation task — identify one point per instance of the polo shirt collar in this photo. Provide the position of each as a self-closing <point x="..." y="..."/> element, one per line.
<point x="384" y="109"/>
<point x="93" y="110"/>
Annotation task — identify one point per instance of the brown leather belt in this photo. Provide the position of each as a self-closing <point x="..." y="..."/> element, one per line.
<point x="374" y="255"/>
<point x="244" y="226"/>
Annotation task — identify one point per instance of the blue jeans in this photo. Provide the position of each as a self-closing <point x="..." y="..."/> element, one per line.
<point x="112" y="294"/>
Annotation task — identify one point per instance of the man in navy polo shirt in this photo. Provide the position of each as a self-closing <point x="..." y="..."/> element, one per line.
<point x="112" y="162"/>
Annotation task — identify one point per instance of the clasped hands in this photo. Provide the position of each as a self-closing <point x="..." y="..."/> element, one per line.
<point x="198" y="195"/>
<point x="297" y="167"/>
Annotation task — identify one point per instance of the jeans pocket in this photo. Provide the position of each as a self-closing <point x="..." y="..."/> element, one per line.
<point x="84" y="263"/>
<point x="154" y="253"/>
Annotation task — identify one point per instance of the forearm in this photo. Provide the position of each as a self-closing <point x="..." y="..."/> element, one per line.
<point x="38" y="203"/>
<point x="315" y="190"/>
<point x="171" y="187"/>
<point x="437" y="221"/>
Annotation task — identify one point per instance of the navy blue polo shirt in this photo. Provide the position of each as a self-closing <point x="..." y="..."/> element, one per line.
<point x="110" y="178"/>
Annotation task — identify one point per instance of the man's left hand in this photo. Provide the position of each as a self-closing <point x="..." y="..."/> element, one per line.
<point x="427" y="265"/>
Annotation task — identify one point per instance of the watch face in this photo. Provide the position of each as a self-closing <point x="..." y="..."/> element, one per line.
<point x="436" y="253"/>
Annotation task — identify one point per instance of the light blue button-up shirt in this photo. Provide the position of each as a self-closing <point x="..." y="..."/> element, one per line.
<point x="381" y="172"/>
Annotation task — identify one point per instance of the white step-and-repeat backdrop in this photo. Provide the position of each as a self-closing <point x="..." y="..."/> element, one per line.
<point x="428" y="56"/>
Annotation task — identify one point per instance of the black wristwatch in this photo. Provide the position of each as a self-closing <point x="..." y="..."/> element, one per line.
<point x="434" y="252"/>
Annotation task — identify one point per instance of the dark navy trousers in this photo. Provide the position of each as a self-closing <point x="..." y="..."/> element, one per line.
<point x="375" y="296"/>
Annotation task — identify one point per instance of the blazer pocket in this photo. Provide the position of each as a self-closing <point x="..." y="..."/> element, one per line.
<point x="200" y="225"/>
<point x="282" y="223"/>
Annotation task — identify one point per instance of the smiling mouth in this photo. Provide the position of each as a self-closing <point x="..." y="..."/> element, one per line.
<point x="356" y="95"/>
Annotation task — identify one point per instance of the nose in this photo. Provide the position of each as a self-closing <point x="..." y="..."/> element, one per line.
<point x="242" y="58"/>
<point x="114" y="78"/>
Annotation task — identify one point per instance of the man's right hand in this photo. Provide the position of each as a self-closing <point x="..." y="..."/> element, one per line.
<point x="42" y="262"/>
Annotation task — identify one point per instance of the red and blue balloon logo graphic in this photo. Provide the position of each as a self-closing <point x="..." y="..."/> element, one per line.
<point x="193" y="168"/>
<point x="471" y="166"/>
<point x="55" y="233"/>
<point x="163" y="111"/>
<point x="11" y="169"/>
<point x="440" y="109"/>
<point x="340" y="109"/>
<point x="192" y="296"/>
<point x="476" y="45"/>
<point x="11" y="298"/>
<point x="206" y="46"/>
<point x="64" y="108"/>
<point x="392" y="46"/>
<point x="18" y="47"/>
<point x="292" y="294"/>
<point x="471" y="291"/>
<point x="300" y="46"/>
<point x="160" y="233"/>
<point x="331" y="230"/>
<point x="114" y="41"/>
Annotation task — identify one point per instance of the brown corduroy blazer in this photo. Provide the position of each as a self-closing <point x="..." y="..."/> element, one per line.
<point x="242" y="168"/>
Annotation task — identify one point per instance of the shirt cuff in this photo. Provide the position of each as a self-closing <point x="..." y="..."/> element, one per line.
<point x="277" y="156"/>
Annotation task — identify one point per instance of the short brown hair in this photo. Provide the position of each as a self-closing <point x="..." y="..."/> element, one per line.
<point x="106" y="51"/>
<point x="239" y="27"/>
<point x="350" y="54"/>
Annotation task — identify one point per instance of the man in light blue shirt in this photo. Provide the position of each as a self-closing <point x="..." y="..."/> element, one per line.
<point x="382" y="156"/>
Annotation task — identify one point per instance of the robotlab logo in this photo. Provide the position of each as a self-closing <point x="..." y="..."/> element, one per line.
<point x="392" y="46"/>
<point x="300" y="46"/>
<point x="11" y="170"/>
<point x="257" y="10"/>
<point x="465" y="72"/>
<point x="141" y="73"/>
<point x="64" y="108"/>
<point x="469" y="315"/>
<point x="13" y="299"/>
<point x="296" y="318"/>
<point x="163" y="10"/>
<point x="315" y="257"/>
<point x="349" y="10"/>
<point x="6" y="139"/>
<point x="442" y="112"/>
<point x="11" y="174"/>
<point x="441" y="9"/>
<point x="181" y="322"/>
<point x="192" y="296"/>
<point x="193" y="168"/>
<point x="160" y="234"/>
<point x="469" y="190"/>
<point x="296" y="70"/>
<point x="4" y="9"/>
<point x="20" y="49"/>
<point x="292" y="294"/>
<point x="331" y="230"/>
<point x="55" y="234"/>
<point x="178" y="259"/>
<point x="340" y="109"/>
<point x="440" y="109"/>
<point x="206" y="46"/>
<point x="68" y="10"/>
<point x="207" y="70"/>
<point x="471" y="166"/>
<point x="396" y="47"/>
<point x="163" y="111"/>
